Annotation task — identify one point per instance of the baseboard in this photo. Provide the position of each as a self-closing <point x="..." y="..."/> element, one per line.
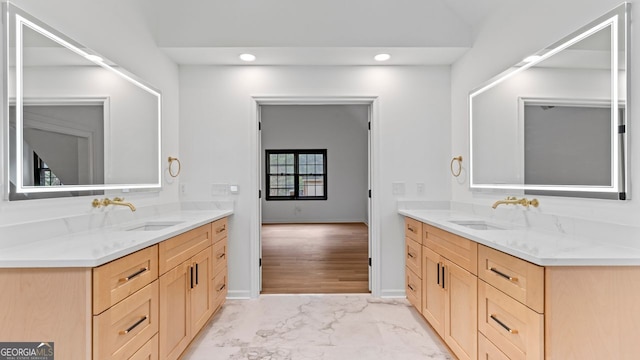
<point x="323" y="221"/>
<point x="393" y="294"/>
<point x="239" y="295"/>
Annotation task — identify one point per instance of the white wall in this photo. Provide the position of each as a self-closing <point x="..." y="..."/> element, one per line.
<point x="342" y="131"/>
<point x="516" y="30"/>
<point x="117" y="30"/>
<point x="412" y="136"/>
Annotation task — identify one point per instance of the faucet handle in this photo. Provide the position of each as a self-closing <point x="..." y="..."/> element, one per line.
<point x="118" y="199"/>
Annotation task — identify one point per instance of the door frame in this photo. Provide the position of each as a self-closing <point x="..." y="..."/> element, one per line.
<point x="256" y="173"/>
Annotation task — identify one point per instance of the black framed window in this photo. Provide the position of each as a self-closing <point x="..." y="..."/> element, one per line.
<point x="296" y="174"/>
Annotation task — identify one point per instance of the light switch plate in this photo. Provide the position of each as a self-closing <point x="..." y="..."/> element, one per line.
<point x="219" y="189"/>
<point x="398" y="188"/>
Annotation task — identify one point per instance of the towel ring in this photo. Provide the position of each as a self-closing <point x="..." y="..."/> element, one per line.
<point x="171" y="160"/>
<point x="454" y="172"/>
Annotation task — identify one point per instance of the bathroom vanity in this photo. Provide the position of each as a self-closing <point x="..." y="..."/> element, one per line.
<point x="140" y="290"/>
<point x="502" y="292"/>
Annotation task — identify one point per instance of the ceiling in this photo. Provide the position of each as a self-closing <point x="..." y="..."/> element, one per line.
<point x="327" y="32"/>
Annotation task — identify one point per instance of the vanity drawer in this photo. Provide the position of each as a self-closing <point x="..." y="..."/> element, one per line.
<point x="220" y="288"/>
<point x="123" y="329"/>
<point x="219" y="256"/>
<point x="178" y="249"/>
<point x="413" y="229"/>
<point x="413" y="256"/>
<point x="219" y="228"/>
<point x="413" y="289"/>
<point x="514" y="328"/>
<point x="461" y="251"/>
<point x="488" y="351"/>
<point x="148" y="351"/>
<point x="120" y="278"/>
<point x="517" y="278"/>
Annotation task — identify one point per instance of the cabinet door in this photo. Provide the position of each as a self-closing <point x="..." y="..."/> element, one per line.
<point x="461" y="311"/>
<point x="175" y="327"/>
<point x="200" y="287"/>
<point x="433" y="294"/>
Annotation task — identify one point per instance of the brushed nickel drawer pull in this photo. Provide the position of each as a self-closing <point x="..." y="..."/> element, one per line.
<point x="510" y="330"/>
<point x="411" y="287"/>
<point x="222" y="287"/>
<point x="510" y="278"/>
<point x="221" y="229"/>
<point x="125" y="332"/>
<point x="125" y="279"/>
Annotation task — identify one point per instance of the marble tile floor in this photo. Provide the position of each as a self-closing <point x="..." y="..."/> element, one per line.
<point x="317" y="327"/>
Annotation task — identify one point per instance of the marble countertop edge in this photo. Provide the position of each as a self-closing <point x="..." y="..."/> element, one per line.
<point x="99" y="246"/>
<point x="536" y="246"/>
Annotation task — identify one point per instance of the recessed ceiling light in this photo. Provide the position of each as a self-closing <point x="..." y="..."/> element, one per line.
<point x="532" y="58"/>
<point x="382" y="57"/>
<point x="247" y="57"/>
<point x="94" y="58"/>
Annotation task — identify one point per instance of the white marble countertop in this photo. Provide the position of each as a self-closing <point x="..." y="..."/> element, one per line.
<point x="537" y="246"/>
<point x="101" y="245"/>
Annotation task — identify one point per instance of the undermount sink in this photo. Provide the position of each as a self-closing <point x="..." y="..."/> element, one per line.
<point x="153" y="226"/>
<point x="476" y="224"/>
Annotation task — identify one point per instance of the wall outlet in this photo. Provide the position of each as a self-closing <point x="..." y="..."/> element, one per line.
<point x="420" y="188"/>
<point x="398" y="188"/>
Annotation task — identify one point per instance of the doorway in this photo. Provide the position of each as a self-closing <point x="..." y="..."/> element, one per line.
<point x="315" y="209"/>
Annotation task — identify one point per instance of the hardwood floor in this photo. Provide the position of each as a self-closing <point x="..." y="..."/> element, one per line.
<point x="315" y="258"/>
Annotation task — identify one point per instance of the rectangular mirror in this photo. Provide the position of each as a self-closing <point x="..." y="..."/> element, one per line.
<point x="555" y="123"/>
<point x="77" y="123"/>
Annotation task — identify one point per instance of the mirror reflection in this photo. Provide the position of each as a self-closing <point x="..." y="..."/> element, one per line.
<point x="551" y="123"/>
<point x="78" y="124"/>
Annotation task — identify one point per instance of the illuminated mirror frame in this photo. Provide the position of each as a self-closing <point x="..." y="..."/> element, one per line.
<point x="618" y="20"/>
<point x="19" y="18"/>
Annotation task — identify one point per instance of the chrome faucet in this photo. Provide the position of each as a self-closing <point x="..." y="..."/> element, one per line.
<point x="512" y="200"/>
<point x="116" y="201"/>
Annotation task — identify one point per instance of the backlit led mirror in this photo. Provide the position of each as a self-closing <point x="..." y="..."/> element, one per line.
<point x="77" y="123"/>
<point x="555" y="124"/>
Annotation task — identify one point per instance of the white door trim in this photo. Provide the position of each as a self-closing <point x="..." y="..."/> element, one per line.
<point x="254" y="140"/>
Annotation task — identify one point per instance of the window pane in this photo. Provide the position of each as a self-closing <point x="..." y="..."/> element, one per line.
<point x="273" y="159"/>
<point x="303" y="169"/>
<point x="319" y="159"/>
<point x="319" y="169"/>
<point x="290" y="159"/>
<point x="319" y="190"/>
<point x="302" y="159"/>
<point x="290" y="169"/>
<point x="282" y="159"/>
<point x="273" y="169"/>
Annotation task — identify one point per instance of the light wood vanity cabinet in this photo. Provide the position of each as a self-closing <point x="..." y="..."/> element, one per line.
<point x="147" y="305"/>
<point x="186" y="296"/>
<point x="522" y="311"/>
<point x="125" y="304"/>
<point x="511" y="304"/>
<point x="413" y="262"/>
<point x="449" y="289"/>
<point x="219" y="276"/>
